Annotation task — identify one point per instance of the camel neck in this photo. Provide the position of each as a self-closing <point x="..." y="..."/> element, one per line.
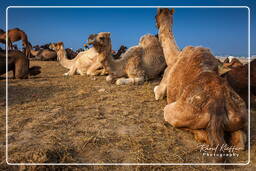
<point x="169" y="45"/>
<point x="64" y="61"/>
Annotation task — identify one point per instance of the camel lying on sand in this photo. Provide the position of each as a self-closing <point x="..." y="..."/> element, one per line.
<point x="237" y="78"/>
<point x="44" y="55"/>
<point x="138" y="63"/>
<point x="84" y="63"/>
<point x="198" y="98"/>
<point x="233" y="63"/>
<point x="18" y="63"/>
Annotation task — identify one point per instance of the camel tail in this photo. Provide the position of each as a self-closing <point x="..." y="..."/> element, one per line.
<point x="215" y="129"/>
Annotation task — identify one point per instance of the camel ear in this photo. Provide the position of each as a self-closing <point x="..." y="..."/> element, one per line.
<point x="172" y="11"/>
<point x="108" y="34"/>
<point x="60" y="43"/>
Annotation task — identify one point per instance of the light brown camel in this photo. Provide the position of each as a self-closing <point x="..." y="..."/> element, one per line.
<point x="15" y="35"/>
<point x="171" y="50"/>
<point x="18" y="63"/>
<point x="198" y="98"/>
<point x="139" y="63"/>
<point x="85" y="62"/>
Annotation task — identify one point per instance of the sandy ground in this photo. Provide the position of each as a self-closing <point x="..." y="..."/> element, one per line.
<point x="57" y="119"/>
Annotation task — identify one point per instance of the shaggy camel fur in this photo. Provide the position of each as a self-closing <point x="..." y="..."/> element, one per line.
<point x="138" y="63"/>
<point x="84" y="63"/>
<point x="198" y="98"/>
<point x="18" y="63"/>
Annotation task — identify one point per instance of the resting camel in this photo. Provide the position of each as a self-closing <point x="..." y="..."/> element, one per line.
<point x="234" y="63"/>
<point x="84" y="63"/>
<point x="18" y="63"/>
<point x="198" y="98"/>
<point x="120" y="51"/>
<point x="237" y="77"/>
<point x="70" y="53"/>
<point x="44" y="55"/>
<point x="138" y="63"/>
<point x="15" y="35"/>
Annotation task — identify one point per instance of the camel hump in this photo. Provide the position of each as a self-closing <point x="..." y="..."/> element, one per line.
<point x="134" y="51"/>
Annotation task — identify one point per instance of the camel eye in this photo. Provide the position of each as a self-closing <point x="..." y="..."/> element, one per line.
<point x="102" y="38"/>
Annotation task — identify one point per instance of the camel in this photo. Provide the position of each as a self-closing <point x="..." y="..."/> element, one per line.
<point x="70" y="53"/>
<point x="237" y="78"/>
<point x="139" y="63"/>
<point x="233" y="63"/>
<point x="198" y="98"/>
<point x="44" y="55"/>
<point x="120" y="51"/>
<point x="84" y="63"/>
<point x="15" y="35"/>
<point x="18" y="63"/>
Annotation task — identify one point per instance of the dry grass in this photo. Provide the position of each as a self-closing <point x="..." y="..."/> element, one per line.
<point x="53" y="118"/>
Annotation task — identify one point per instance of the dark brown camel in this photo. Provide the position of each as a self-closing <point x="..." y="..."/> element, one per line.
<point x="15" y="35"/>
<point x="18" y="63"/>
<point x="237" y="77"/>
<point x="120" y="51"/>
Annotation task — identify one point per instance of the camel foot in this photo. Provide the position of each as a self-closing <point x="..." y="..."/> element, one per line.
<point x="159" y="93"/>
<point x="109" y="78"/>
<point x="124" y="81"/>
<point x="65" y="74"/>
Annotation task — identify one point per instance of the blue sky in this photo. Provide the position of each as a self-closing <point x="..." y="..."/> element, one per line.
<point x="224" y="31"/>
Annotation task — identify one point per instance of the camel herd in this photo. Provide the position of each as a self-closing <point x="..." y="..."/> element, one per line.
<point x="204" y="95"/>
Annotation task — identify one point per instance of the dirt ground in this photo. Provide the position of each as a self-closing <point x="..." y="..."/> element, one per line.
<point x="80" y="119"/>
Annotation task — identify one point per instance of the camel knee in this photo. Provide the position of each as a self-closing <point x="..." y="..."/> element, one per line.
<point x="169" y="116"/>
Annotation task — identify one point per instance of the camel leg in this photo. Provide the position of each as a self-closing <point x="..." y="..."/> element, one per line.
<point x="238" y="139"/>
<point x="93" y="69"/>
<point x="72" y="71"/>
<point x="123" y="81"/>
<point x="181" y="115"/>
<point x="160" y="91"/>
<point x="200" y="135"/>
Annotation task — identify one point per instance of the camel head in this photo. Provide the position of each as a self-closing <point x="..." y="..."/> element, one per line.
<point x="100" y="40"/>
<point x="102" y="43"/>
<point x="56" y="46"/>
<point x="123" y="48"/>
<point x="164" y="17"/>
